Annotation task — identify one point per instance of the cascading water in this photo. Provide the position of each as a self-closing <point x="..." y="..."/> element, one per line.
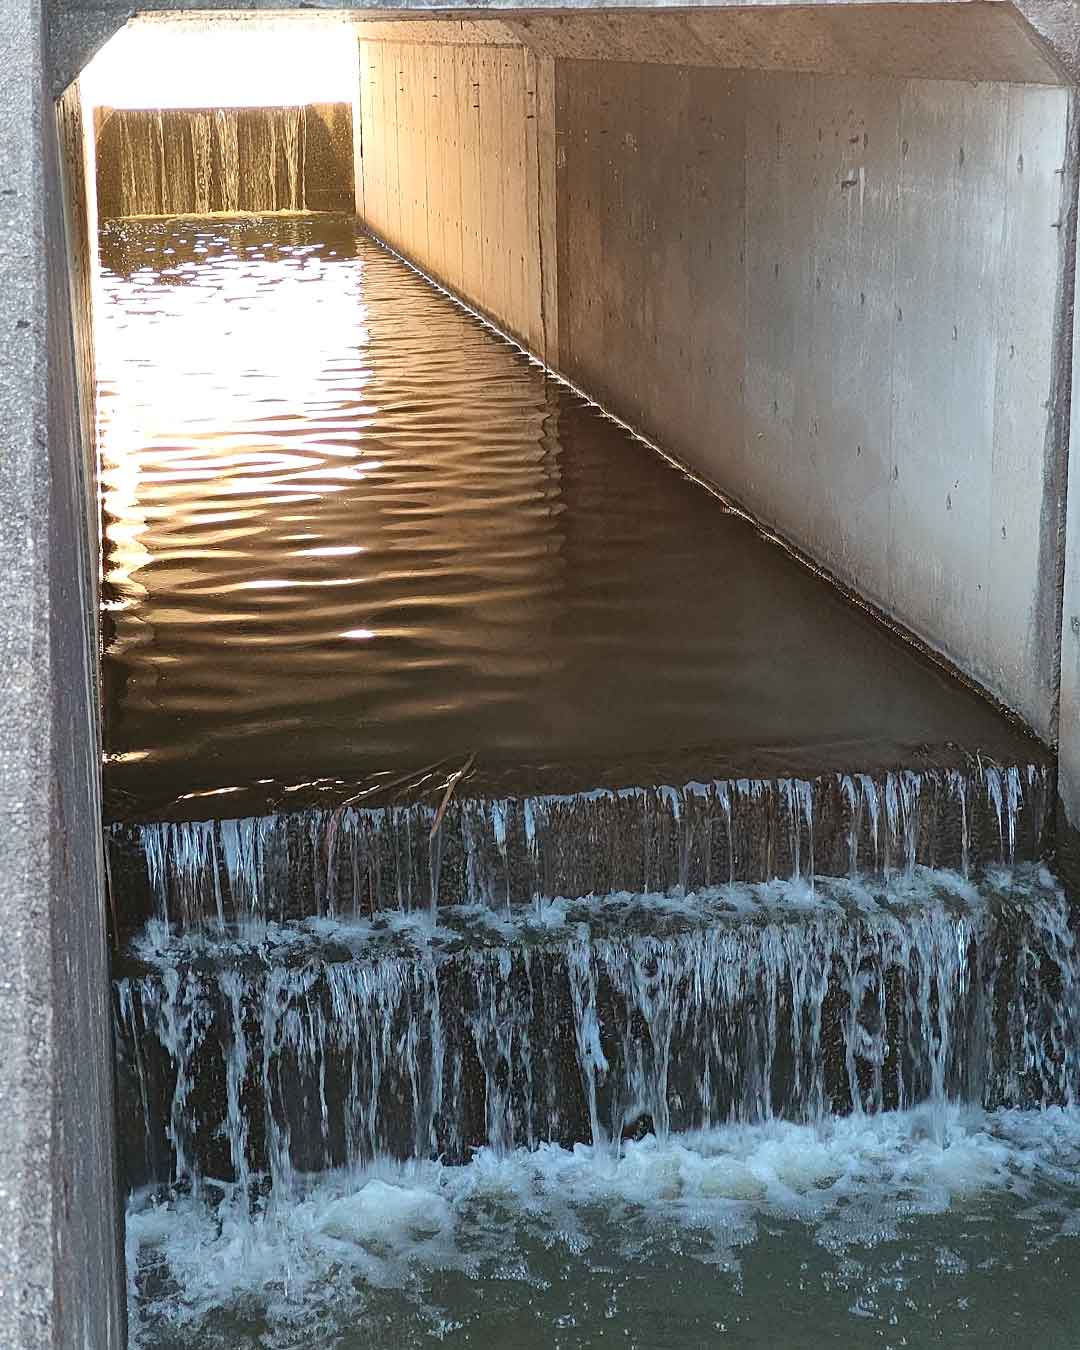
<point x="349" y="1114"/>
<point x="352" y="859"/>
<point x="198" y="161"/>
<point x="309" y="1047"/>
<point x="501" y="961"/>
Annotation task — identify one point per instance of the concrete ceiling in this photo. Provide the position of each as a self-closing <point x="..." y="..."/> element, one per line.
<point x="984" y="41"/>
<point x="971" y="40"/>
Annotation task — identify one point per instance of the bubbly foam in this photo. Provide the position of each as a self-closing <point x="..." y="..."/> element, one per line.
<point x="849" y="1185"/>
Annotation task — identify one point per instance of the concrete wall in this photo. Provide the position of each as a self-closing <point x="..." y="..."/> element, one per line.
<point x="1069" y="703"/>
<point x="838" y="300"/>
<point x="651" y="217"/>
<point x="450" y="170"/>
<point x="60" y="1266"/>
<point x="77" y="175"/>
<point x="87" y="1226"/>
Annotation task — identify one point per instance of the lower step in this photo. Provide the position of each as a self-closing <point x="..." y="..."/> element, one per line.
<point x="294" y="1048"/>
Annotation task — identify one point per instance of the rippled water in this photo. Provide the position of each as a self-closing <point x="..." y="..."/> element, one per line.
<point x="350" y="532"/>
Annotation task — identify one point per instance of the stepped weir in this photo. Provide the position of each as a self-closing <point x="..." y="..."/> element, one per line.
<point x="478" y="867"/>
<point x="583" y="664"/>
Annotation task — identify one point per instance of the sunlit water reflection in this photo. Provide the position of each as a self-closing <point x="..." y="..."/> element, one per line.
<point x="350" y="531"/>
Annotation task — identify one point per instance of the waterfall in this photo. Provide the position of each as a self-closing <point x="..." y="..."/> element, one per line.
<point x="176" y="161"/>
<point x="289" y="1049"/>
<point x="201" y="160"/>
<point x="506" y="853"/>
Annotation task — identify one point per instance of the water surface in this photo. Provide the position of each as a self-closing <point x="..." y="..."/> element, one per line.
<point x="350" y="532"/>
<point x="865" y="1233"/>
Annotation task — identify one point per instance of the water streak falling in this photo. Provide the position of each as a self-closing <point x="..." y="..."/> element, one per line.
<point x="352" y="860"/>
<point x="227" y="161"/>
<point x="309" y="1048"/>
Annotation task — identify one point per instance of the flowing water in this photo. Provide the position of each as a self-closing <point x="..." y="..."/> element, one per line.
<point x="155" y="161"/>
<point x="656" y="1121"/>
<point x="350" y="535"/>
<point x="546" y="914"/>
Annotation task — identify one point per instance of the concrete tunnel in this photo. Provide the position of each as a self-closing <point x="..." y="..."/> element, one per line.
<point x="821" y="255"/>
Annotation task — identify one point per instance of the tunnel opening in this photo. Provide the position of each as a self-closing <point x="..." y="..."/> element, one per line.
<point x="480" y="790"/>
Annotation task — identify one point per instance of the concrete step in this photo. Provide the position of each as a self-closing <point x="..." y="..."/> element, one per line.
<point x="265" y="1051"/>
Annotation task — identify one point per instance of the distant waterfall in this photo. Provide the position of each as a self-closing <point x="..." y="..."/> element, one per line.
<point x="203" y="161"/>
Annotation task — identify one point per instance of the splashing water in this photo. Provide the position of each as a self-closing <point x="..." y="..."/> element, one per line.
<point x="512" y="852"/>
<point x="868" y="1227"/>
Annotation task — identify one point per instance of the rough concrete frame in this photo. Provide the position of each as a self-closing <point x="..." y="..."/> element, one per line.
<point x="60" y="1261"/>
<point x="26" y="1258"/>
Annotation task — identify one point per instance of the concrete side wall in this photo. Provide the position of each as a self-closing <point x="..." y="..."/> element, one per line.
<point x="1069" y="707"/>
<point x="651" y="210"/>
<point x="838" y="300"/>
<point x="87" y="1221"/>
<point x="60" y="1268"/>
<point x="80" y="215"/>
<point x="450" y="171"/>
<point x="904" y="394"/>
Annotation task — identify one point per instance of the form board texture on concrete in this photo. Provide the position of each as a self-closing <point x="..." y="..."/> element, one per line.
<point x="60" y="1264"/>
<point x="451" y="173"/>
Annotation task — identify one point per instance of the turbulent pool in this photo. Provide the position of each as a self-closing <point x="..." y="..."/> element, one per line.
<point x="778" y="1115"/>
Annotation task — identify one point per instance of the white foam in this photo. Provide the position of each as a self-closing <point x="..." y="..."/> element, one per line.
<point x="852" y="1182"/>
<point x="415" y="932"/>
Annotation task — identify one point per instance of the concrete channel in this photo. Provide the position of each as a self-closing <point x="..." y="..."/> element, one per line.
<point x="822" y="254"/>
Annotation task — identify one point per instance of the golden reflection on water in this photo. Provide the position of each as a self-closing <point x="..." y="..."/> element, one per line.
<point x="274" y="482"/>
<point x="348" y="532"/>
